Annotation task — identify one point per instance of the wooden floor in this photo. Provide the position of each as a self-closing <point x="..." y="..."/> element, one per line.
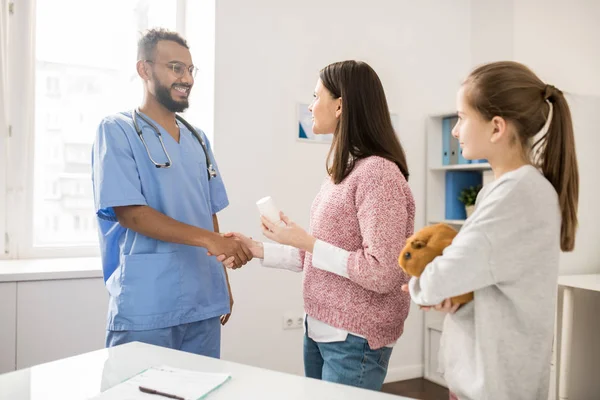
<point x="421" y="389"/>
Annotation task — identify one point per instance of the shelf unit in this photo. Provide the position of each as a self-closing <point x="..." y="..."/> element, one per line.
<point x="463" y="167"/>
<point x="435" y="213"/>
<point x="455" y="222"/>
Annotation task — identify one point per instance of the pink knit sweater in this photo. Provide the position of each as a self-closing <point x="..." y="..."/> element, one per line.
<point x="370" y="214"/>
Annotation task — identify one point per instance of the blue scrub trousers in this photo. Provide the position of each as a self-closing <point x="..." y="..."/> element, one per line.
<point x="201" y="337"/>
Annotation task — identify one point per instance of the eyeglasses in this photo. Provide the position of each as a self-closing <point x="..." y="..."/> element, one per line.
<point x="178" y="68"/>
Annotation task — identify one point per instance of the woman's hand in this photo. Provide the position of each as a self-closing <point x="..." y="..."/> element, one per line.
<point x="445" y="306"/>
<point x="289" y="234"/>
<point x="256" y="248"/>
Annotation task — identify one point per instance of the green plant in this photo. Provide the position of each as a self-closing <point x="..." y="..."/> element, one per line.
<point x="469" y="195"/>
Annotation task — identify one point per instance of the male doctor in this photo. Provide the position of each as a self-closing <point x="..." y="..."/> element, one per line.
<point x="157" y="190"/>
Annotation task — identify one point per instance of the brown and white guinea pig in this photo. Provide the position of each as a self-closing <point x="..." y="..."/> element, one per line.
<point x="425" y="245"/>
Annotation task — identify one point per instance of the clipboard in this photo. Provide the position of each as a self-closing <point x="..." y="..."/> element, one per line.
<point x="176" y="382"/>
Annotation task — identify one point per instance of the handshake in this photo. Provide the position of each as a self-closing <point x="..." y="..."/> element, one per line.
<point x="234" y="250"/>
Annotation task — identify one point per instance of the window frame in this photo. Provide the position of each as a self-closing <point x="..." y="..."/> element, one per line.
<point x="4" y="133"/>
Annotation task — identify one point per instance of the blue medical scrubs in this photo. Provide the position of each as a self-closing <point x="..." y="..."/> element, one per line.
<point x="157" y="288"/>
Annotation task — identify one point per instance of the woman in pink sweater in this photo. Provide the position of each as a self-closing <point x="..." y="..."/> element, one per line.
<point x="360" y="220"/>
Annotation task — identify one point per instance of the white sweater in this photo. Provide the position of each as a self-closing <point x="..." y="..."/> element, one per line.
<point x="498" y="347"/>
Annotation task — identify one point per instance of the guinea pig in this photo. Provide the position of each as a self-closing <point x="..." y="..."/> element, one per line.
<point x="425" y="245"/>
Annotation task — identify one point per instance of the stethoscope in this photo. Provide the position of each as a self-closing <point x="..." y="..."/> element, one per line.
<point x="212" y="172"/>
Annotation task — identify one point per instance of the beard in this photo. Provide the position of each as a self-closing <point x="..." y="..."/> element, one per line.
<point x="163" y="95"/>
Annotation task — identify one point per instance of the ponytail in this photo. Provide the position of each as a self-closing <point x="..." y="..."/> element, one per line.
<point x="558" y="163"/>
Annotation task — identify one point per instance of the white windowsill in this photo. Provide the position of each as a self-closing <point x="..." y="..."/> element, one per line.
<point x="43" y="269"/>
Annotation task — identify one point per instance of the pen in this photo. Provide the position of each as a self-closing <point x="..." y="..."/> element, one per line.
<point x="152" y="391"/>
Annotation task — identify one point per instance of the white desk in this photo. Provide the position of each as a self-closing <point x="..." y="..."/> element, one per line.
<point x="570" y="283"/>
<point x="89" y="374"/>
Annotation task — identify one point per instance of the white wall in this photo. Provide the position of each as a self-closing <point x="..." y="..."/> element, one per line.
<point x="268" y="54"/>
<point x="492" y="31"/>
<point x="558" y="40"/>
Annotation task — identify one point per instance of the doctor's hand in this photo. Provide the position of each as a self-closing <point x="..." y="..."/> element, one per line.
<point x="225" y="318"/>
<point x="445" y="306"/>
<point x="290" y="234"/>
<point x="255" y="247"/>
<point x="229" y="247"/>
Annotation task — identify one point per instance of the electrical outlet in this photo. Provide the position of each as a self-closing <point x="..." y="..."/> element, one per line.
<point x="293" y="320"/>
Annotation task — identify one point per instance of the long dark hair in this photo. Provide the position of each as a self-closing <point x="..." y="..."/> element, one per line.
<point x="512" y="91"/>
<point x="365" y="127"/>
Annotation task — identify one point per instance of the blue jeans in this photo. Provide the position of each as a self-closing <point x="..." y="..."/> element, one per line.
<point x="351" y="362"/>
<point x="201" y="337"/>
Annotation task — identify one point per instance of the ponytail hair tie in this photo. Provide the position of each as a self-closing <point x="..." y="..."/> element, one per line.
<point x="550" y="92"/>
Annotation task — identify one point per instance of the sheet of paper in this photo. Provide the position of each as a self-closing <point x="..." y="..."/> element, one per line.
<point x="187" y="384"/>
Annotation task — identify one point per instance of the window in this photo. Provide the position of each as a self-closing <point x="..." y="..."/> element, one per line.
<point x="81" y="78"/>
<point x="52" y="86"/>
<point x="83" y="69"/>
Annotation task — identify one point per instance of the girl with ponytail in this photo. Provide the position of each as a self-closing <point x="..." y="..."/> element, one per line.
<point x="499" y="345"/>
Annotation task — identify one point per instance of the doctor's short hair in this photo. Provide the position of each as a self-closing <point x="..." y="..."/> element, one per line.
<point x="150" y="38"/>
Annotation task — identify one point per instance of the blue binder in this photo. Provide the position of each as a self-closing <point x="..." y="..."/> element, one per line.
<point x="456" y="156"/>
<point x="446" y="139"/>
<point x="456" y="181"/>
<point x="461" y="159"/>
